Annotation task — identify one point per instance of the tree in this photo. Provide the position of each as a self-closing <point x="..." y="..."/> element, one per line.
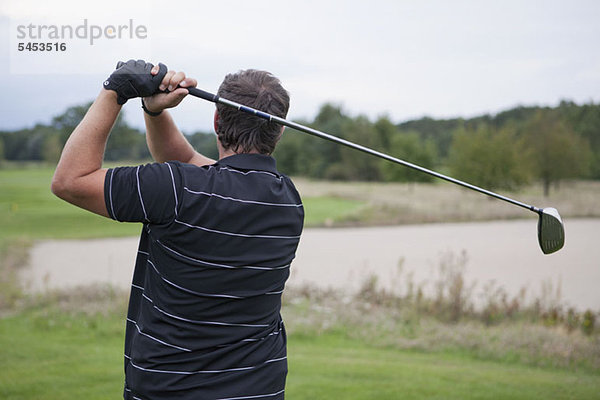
<point x="490" y="158"/>
<point x="301" y="154"/>
<point x="438" y="132"/>
<point x="124" y="143"/>
<point x="585" y="121"/>
<point x="409" y="147"/>
<point x="1" y="150"/>
<point x="68" y="120"/>
<point x="51" y="148"/>
<point x="292" y="154"/>
<point x="557" y="152"/>
<point x="353" y="164"/>
<point x="205" y="143"/>
<point x="26" y="144"/>
<point x="385" y="130"/>
<point x="322" y="154"/>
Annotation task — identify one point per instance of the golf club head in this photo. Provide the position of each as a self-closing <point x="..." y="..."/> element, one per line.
<point x="551" y="231"/>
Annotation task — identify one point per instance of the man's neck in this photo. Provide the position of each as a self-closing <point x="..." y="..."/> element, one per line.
<point x="226" y="153"/>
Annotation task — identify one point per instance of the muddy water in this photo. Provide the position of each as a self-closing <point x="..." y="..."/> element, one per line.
<point x="505" y="252"/>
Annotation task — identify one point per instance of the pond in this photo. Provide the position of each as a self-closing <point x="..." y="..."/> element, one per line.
<point x="503" y="252"/>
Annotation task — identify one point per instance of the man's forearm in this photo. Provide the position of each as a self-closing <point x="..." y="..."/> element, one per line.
<point x="80" y="165"/>
<point x="84" y="151"/>
<point x="164" y="140"/>
<point x="167" y="143"/>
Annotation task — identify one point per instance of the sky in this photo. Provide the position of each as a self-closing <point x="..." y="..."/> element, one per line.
<point x="399" y="59"/>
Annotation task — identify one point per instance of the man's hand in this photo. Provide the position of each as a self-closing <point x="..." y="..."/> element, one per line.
<point x="133" y="79"/>
<point x="174" y="84"/>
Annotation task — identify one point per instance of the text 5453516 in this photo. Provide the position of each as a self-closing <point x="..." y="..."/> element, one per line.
<point x="42" y="46"/>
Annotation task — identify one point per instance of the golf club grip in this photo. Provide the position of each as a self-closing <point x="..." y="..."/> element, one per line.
<point x="203" y="94"/>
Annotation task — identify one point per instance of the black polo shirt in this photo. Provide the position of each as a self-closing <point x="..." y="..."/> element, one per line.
<point x="214" y="255"/>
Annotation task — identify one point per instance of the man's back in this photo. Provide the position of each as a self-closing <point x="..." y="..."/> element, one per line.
<point x="213" y="260"/>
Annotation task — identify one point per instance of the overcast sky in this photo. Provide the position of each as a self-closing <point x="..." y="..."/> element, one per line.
<point x="404" y="59"/>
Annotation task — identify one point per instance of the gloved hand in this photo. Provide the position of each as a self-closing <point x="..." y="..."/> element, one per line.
<point x="133" y="79"/>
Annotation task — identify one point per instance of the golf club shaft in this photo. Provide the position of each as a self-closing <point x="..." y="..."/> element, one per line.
<point x="216" y="99"/>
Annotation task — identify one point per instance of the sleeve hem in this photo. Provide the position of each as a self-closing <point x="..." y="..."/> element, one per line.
<point x="108" y="194"/>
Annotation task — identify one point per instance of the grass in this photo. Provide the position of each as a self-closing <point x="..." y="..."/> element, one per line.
<point x="332" y="367"/>
<point x="416" y="203"/>
<point x="389" y="322"/>
<point x="55" y="356"/>
<point x="374" y="346"/>
<point x="330" y="210"/>
<point x="55" y="350"/>
<point x="29" y="210"/>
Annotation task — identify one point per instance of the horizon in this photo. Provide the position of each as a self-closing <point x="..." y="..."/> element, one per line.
<point x="344" y="110"/>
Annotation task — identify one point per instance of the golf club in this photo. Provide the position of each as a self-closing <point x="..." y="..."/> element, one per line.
<point x="551" y="233"/>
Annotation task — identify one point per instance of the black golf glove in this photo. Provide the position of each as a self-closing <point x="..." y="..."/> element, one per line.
<point x="133" y="79"/>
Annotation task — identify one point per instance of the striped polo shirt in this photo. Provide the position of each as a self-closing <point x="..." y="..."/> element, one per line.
<point x="214" y="255"/>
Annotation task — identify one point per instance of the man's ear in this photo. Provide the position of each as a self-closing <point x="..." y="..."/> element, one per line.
<point x="216" y="121"/>
<point x="281" y="133"/>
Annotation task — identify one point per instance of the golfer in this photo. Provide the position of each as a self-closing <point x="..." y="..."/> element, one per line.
<point x="217" y="240"/>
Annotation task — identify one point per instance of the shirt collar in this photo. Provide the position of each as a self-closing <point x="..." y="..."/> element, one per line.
<point x="250" y="161"/>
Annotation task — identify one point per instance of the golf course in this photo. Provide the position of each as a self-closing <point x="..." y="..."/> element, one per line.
<point x="318" y="200"/>
<point x="402" y="333"/>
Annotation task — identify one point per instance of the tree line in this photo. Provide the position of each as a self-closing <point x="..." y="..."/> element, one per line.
<point x="502" y="151"/>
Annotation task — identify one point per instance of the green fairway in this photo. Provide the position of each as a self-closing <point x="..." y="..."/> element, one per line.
<point x="61" y="357"/>
<point x="29" y="209"/>
<point x="53" y="355"/>
<point x="326" y="210"/>
<point x="329" y="367"/>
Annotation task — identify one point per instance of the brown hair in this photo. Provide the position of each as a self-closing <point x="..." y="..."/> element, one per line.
<point x="243" y="132"/>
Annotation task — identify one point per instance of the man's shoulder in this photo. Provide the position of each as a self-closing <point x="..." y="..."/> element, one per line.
<point x="187" y="169"/>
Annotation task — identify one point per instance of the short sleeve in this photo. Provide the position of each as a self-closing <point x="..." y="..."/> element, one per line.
<point x="147" y="193"/>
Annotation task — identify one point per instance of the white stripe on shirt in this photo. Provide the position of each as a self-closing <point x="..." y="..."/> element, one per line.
<point x="174" y="190"/>
<point x="226" y="296"/>
<point x="202" y="322"/>
<point x="216" y="371"/>
<point x="247" y="172"/>
<point x="156" y="339"/>
<point x="137" y="176"/>
<point x="262" y="203"/>
<point x="197" y="260"/>
<point x="112" y="172"/>
<point x="258" y="396"/>
<point x="246" y="235"/>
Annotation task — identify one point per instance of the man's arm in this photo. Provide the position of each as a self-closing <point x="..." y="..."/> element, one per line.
<point x="165" y="140"/>
<point x="79" y="177"/>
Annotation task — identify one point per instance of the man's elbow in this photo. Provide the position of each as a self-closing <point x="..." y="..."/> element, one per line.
<point x="57" y="186"/>
<point x="62" y="187"/>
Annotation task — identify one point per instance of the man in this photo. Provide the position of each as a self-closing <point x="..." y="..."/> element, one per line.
<point x="217" y="240"/>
